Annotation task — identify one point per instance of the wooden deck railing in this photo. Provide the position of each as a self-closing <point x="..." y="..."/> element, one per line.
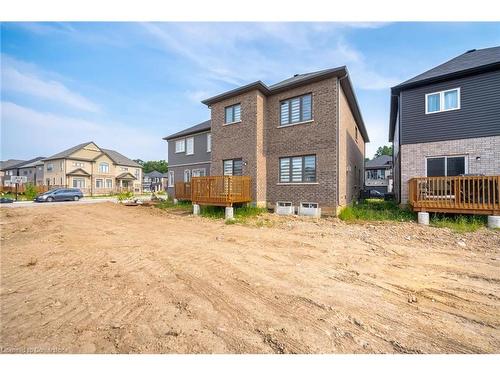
<point x="216" y="190"/>
<point x="457" y="194"/>
<point x="183" y="191"/>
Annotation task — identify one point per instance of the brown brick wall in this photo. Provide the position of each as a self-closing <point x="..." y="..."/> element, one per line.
<point x="316" y="137"/>
<point x="351" y="155"/>
<point x="241" y="140"/>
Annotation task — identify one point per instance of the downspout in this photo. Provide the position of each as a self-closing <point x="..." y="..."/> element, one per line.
<point x="337" y="142"/>
<point x="338" y="139"/>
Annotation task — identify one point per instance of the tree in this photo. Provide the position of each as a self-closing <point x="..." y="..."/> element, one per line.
<point x="154" y="165"/>
<point x="383" y="150"/>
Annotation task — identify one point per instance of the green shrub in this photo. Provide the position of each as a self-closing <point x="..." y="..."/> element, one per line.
<point x="30" y="192"/>
<point x="124" y="195"/>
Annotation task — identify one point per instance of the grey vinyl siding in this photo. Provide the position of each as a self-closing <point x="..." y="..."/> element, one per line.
<point x="478" y="116"/>
<point x="179" y="174"/>
<point x="200" y="151"/>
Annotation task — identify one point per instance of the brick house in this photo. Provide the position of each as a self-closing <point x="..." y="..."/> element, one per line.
<point x="378" y="174"/>
<point x="302" y="140"/>
<point x="446" y="121"/>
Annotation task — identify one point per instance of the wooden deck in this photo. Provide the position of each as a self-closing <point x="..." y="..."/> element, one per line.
<point x="183" y="191"/>
<point x="215" y="190"/>
<point x="467" y="194"/>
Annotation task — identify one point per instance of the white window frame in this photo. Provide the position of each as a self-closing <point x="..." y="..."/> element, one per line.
<point x="50" y="167"/>
<point x="198" y="170"/>
<point x="466" y="162"/>
<point x="110" y="185"/>
<point x="209" y="142"/>
<point x="187" y="174"/>
<point x="102" y="164"/>
<point x="441" y="101"/>
<point x="75" y="179"/>
<point x="190" y="150"/>
<point x="102" y="183"/>
<point x="179" y="150"/>
<point x="171" y="180"/>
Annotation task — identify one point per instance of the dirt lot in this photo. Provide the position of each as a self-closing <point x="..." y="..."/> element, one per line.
<point x="105" y="278"/>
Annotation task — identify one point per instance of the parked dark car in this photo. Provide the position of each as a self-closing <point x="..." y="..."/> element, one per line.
<point x="60" y="194"/>
<point x="6" y="200"/>
<point x="371" y="193"/>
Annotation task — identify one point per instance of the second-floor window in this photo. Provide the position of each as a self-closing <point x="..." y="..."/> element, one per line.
<point x="232" y="114"/>
<point x="296" y="110"/>
<point x="209" y="142"/>
<point x="137" y="173"/>
<point x="180" y="145"/>
<point x="78" y="164"/>
<point x="298" y="169"/>
<point x="442" y="101"/>
<point x="50" y="167"/>
<point x="190" y="146"/>
<point x="104" y="167"/>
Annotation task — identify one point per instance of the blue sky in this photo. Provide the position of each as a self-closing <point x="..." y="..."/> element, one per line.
<point x="127" y="85"/>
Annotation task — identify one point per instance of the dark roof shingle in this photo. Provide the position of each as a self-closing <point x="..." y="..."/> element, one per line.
<point x="379" y="162"/>
<point x="469" y="60"/>
<point x="10" y="163"/>
<point x="201" y="127"/>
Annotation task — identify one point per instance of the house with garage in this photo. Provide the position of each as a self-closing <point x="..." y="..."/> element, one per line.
<point x="445" y="129"/>
<point x="378" y="174"/>
<point x="94" y="170"/>
<point x="296" y="145"/>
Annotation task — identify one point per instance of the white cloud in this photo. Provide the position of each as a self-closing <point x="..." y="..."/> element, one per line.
<point x="15" y="80"/>
<point x="50" y="133"/>
<point x="234" y="54"/>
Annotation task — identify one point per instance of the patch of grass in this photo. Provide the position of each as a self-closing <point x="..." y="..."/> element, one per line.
<point x="241" y="214"/>
<point x="20" y="196"/>
<point x="169" y="204"/>
<point x="376" y="210"/>
<point x="459" y="223"/>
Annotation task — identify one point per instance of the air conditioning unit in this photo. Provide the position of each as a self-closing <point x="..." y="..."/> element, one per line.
<point x="284" y="208"/>
<point x="309" y="209"/>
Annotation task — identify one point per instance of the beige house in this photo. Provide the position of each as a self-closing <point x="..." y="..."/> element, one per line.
<point x="94" y="170"/>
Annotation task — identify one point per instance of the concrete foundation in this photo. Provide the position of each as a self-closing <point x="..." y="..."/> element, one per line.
<point x="494" y="222"/>
<point x="229" y="213"/>
<point x="196" y="209"/>
<point x="176" y="201"/>
<point x="423" y="218"/>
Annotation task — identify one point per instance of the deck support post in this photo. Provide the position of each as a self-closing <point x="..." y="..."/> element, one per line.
<point x="196" y="209"/>
<point x="493" y="222"/>
<point x="423" y="218"/>
<point x="229" y="213"/>
<point x="176" y="201"/>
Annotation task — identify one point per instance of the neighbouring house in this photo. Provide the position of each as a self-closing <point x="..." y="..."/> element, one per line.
<point x="7" y="169"/>
<point x="445" y="122"/>
<point x="301" y="141"/>
<point x="33" y="170"/>
<point x="28" y="168"/>
<point x="189" y="154"/>
<point x="153" y="182"/>
<point x="92" y="169"/>
<point x="378" y="174"/>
